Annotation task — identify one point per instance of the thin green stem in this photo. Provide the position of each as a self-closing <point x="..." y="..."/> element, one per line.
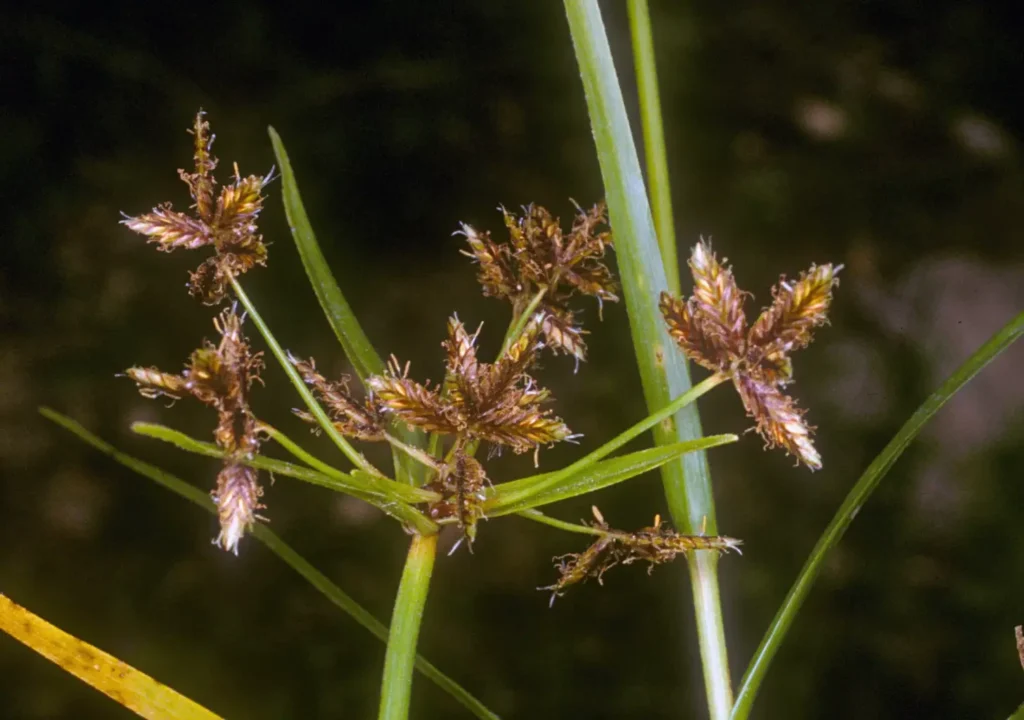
<point x="296" y="450"/>
<point x="396" y="686"/>
<point x="852" y="505"/>
<point x="654" y="138"/>
<point x="615" y="443"/>
<point x="663" y="371"/>
<point x="538" y="516"/>
<point x="518" y="324"/>
<point x="279" y="547"/>
<point x="314" y="407"/>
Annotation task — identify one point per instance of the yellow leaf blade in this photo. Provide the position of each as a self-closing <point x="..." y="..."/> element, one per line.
<point x="121" y="682"/>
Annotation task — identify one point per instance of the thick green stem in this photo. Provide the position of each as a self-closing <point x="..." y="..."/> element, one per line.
<point x="400" y="659"/>
<point x="654" y="138"/>
<point x="663" y="371"/>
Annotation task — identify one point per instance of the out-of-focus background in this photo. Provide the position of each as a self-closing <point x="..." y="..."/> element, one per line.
<point x="885" y="136"/>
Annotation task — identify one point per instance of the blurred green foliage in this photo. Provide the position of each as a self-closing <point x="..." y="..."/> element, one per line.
<point x="884" y="136"/>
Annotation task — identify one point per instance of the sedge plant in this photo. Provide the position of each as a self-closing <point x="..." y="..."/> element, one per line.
<point x="444" y="436"/>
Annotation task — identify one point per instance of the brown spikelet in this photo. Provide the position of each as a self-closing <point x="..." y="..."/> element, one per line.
<point x="494" y="275"/>
<point x="497" y="383"/>
<point x="779" y="421"/>
<point x="153" y="383"/>
<point x="240" y="203"/>
<point x="201" y="183"/>
<point x="414" y="404"/>
<point x="563" y="335"/>
<point x="463" y="368"/>
<point x="521" y="429"/>
<point x="656" y="544"/>
<point x="797" y="309"/>
<point x="660" y="544"/>
<point x="717" y="298"/>
<point x="598" y="558"/>
<point x="710" y="328"/>
<point x="362" y="421"/>
<point x="237" y="498"/>
<point x="460" y="483"/>
<point x="683" y="320"/>
<point x="170" y="230"/>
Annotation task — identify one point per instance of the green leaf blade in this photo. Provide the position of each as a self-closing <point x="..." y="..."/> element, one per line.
<point x="343" y="322"/>
<point x="851" y="506"/>
<point x="354" y="341"/>
<point x="516" y="495"/>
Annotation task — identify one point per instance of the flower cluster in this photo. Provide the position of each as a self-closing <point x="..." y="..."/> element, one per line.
<point x="226" y="222"/>
<point x="657" y="544"/>
<point x="711" y="328"/>
<point x="539" y="256"/>
<point x="498" y="403"/>
<point x="221" y="376"/>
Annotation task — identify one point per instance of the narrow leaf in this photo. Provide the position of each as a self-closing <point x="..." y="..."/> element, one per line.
<point x="356" y="344"/>
<point x="278" y="546"/>
<point x="854" y="501"/>
<point x="350" y="334"/>
<point x="116" y="679"/>
<point x="597" y="476"/>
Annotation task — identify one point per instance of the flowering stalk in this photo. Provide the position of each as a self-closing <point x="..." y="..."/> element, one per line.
<point x="687" y="482"/>
<point x="396" y="685"/>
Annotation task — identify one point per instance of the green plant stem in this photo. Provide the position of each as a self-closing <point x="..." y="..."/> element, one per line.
<point x="396" y="686"/>
<point x="663" y="371"/>
<point x="539" y="517"/>
<point x="279" y="547"/>
<point x="314" y="407"/>
<point x="852" y="505"/>
<point x="518" y="324"/>
<point x="654" y="138"/>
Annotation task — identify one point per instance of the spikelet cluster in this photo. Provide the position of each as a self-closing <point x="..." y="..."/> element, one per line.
<point x="539" y="254"/>
<point x="221" y="376"/>
<point x="657" y="544"/>
<point x="711" y="329"/>
<point x="224" y="220"/>
<point x="497" y="403"/>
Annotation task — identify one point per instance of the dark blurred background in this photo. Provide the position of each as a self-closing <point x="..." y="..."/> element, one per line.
<point x="886" y="136"/>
